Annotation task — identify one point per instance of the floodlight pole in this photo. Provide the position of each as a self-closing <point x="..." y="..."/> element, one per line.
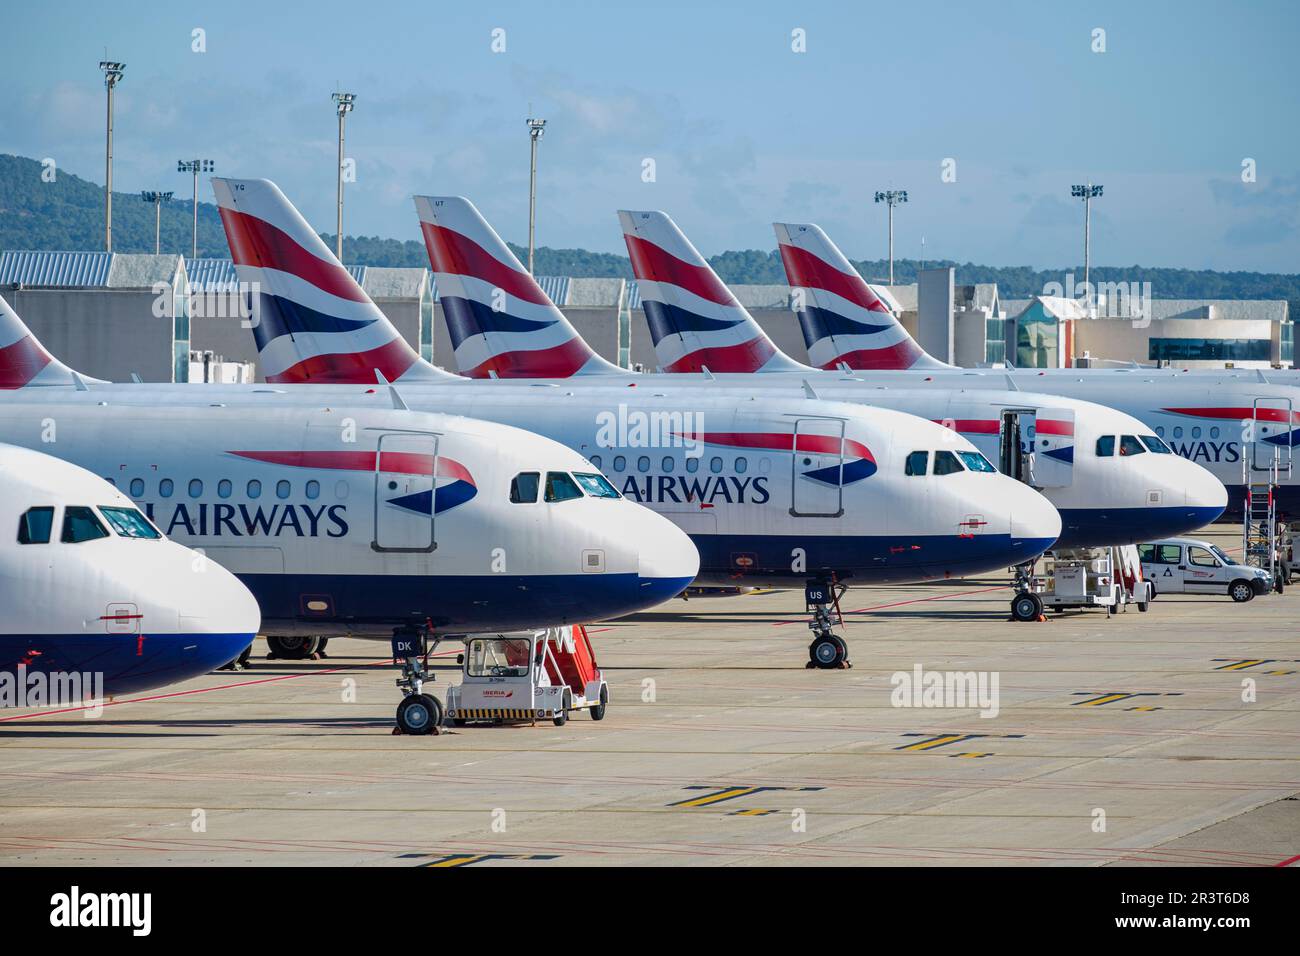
<point x="157" y="198"/>
<point x="892" y="197"/>
<point x="536" y="127"/>
<point x="112" y="73"/>
<point x="1087" y="192"/>
<point x="195" y="166"/>
<point x="343" y="104"/>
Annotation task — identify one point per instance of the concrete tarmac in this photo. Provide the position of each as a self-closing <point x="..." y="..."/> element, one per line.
<point x="1170" y="737"/>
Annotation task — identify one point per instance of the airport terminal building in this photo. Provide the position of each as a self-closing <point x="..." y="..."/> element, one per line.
<point x="168" y="318"/>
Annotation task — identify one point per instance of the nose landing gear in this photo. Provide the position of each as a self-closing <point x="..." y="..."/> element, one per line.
<point x="828" y="651"/>
<point x="418" y="713"/>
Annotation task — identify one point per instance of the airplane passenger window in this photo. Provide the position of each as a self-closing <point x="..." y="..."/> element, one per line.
<point x="254" y="489"/>
<point x="313" y="489"/>
<point x="597" y="486"/>
<point x="1129" y="445"/>
<point x="692" y="464"/>
<point x="667" y="463"/>
<point x="595" y="460"/>
<point x="1155" y="445"/>
<point x="129" y="523"/>
<point x="1106" y="446"/>
<point x="1214" y="432"/>
<point x="742" y="465"/>
<point x="918" y="462"/>
<point x="715" y="465"/>
<point x="946" y="463"/>
<point x="560" y="487"/>
<point x="619" y="462"/>
<point x="1160" y="430"/>
<point x="643" y="464"/>
<point x="224" y="488"/>
<point x="34" y="526"/>
<point x="165" y="488"/>
<point x="137" y="487"/>
<point x="975" y="461"/>
<point x="1178" y="432"/>
<point x="282" y="489"/>
<point x="80" y="524"/>
<point x="1196" y="432"/>
<point x="196" y="488"/>
<point x="523" y="488"/>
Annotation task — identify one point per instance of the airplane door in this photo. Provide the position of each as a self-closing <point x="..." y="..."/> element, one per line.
<point x="1053" y="444"/>
<point x="1274" y="425"/>
<point x="818" y="468"/>
<point x="405" y="482"/>
<point x="1037" y="446"/>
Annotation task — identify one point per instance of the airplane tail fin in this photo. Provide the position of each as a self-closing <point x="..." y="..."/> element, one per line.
<point x="843" y="321"/>
<point x="311" y="320"/>
<point x="501" y="321"/>
<point x="24" y="362"/>
<point x="695" y="321"/>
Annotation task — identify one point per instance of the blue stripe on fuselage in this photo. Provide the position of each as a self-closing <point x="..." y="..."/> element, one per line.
<point x="129" y="663"/>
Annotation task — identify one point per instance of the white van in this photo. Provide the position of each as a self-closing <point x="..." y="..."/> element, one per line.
<point x="1188" y="566"/>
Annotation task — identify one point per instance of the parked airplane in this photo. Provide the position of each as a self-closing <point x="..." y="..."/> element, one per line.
<point x="502" y="323"/>
<point x="771" y="492"/>
<point x="1243" y="428"/>
<point x="98" y="603"/>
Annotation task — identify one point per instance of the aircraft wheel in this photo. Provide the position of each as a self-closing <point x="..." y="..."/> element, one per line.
<point x="828" y="652"/>
<point x="598" y="712"/>
<point x="1026" y="606"/>
<point x="292" y="647"/>
<point x="419" y="714"/>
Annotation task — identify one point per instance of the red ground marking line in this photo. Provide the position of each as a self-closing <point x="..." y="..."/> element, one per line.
<point x="1288" y="861"/>
<point x="881" y="607"/>
<point x="208" y="690"/>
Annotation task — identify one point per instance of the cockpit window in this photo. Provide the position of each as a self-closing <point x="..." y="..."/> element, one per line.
<point x="129" y="523"/>
<point x="523" y="489"/>
<point x="1106" y="446"/>
<point x="946" y="463"/>
<point x="597" y="486"/>
<point x="917" y="463"/>
<point x="1129" y="445"/>
<point x="975" y="461"/>
<point x="35" y="525"/>
<point x="80" y="524"/>
<point x="1154" y="444"/>
<point x="560" y="487"/>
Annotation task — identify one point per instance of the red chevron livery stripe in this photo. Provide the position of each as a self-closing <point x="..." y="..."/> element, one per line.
<point x="21" y="362"/>
<point x="350" y="368"/>
<point x="457" y="254"/>
<point x="657" y="265"/>
<point x="255" y="242"/>
<point x="806" y="271"/>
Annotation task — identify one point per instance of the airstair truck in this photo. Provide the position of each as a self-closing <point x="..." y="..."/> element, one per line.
<point x="527" y="676"/>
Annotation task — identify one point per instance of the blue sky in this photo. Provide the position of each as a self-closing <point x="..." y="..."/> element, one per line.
<point x="743" y="130"/>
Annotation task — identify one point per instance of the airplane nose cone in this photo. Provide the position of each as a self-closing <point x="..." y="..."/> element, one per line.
<point x="215" y="608"/>
<point x="667" y="561"/>
<point x="1035" y="523"/>
<point x="1196" y="498"/>
<point x="1033" y="516"/>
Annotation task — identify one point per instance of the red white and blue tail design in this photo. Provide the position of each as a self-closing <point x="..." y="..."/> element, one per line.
<point x="24" y="363"/>
<point x="501" y="322"/>
<point x="311" y="320"/>
<point x="843" y="321"/>
<point x="695" y="321"/>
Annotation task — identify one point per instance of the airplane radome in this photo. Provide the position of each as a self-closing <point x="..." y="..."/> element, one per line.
<point x="97" y="601"/>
